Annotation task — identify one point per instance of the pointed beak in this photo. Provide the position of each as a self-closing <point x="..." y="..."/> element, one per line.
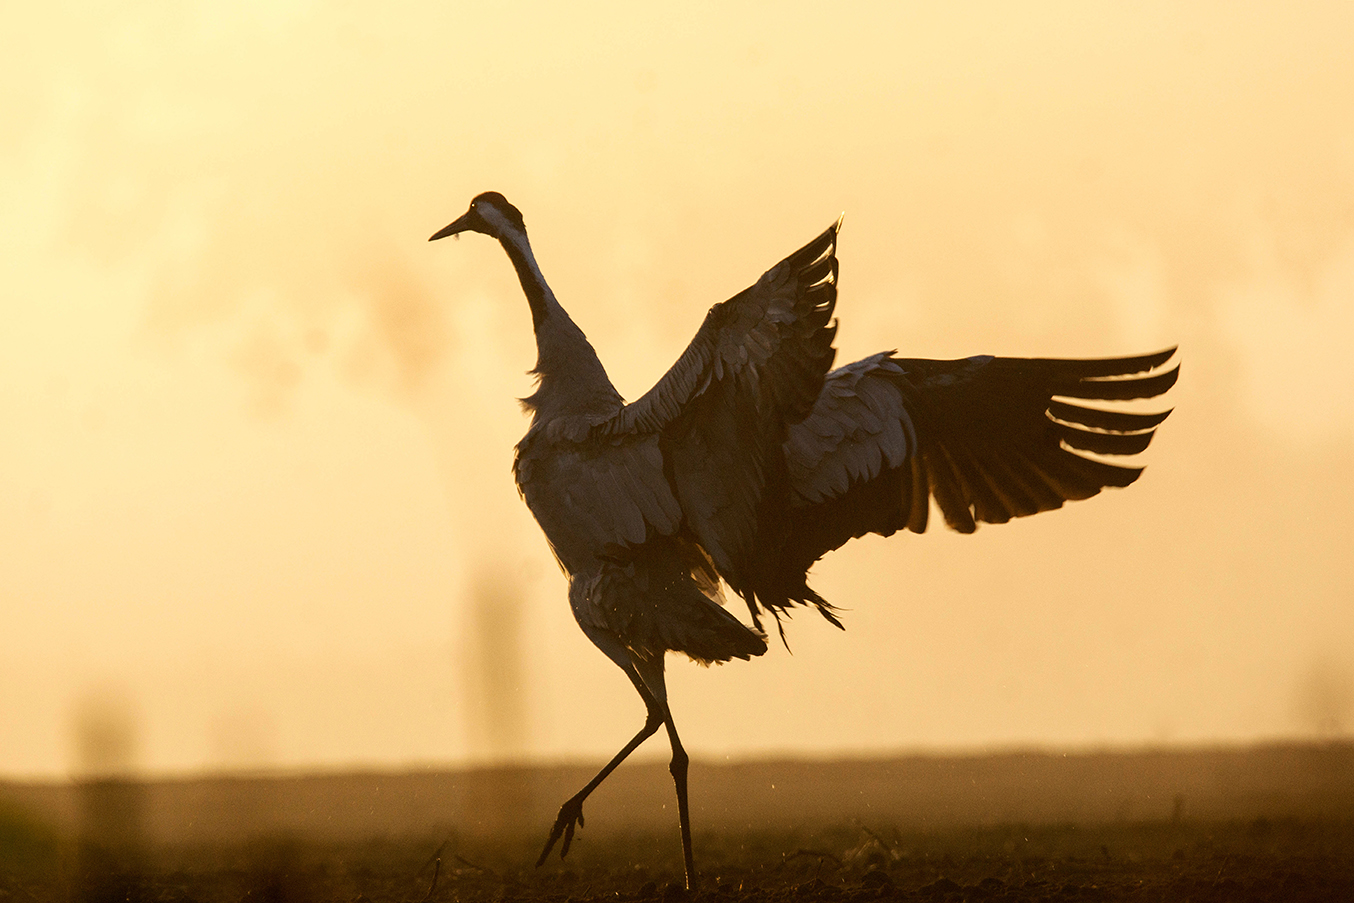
<point x="454" y="228"/>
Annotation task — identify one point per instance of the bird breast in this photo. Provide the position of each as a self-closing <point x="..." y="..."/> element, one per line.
<point x="596" y="500"/>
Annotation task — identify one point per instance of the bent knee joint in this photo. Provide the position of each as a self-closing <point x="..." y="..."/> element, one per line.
<point x="679" y="762"/>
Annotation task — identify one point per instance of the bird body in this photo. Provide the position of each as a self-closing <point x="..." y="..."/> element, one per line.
<point x="751" y="458"/>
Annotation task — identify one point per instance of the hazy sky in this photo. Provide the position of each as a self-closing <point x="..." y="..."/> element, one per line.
<point x="255" y="432"/>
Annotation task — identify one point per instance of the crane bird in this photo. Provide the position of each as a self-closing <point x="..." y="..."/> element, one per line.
<point x="750" y="459"/>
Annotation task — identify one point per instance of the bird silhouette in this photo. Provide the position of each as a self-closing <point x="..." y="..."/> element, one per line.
<point x="751" y="458"/>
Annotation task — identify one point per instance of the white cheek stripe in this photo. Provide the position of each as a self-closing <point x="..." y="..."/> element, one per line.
<point x="514" y="236"/>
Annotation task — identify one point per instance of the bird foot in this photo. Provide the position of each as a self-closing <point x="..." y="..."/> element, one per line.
<point x="570" y="817"/>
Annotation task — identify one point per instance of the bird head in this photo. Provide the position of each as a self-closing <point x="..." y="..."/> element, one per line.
<point x="490" y="214"/>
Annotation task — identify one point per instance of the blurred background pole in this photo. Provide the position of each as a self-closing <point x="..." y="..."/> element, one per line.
<point x="110" y="832"/>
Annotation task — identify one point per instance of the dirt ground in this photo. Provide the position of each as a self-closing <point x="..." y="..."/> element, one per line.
<point x="1268" y="823"/>
<point x="1260" y="860"/>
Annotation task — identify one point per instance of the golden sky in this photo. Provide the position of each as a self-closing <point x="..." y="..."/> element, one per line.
<point x="255" y="505"/>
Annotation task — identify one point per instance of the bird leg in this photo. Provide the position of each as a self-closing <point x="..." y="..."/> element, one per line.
<point x="571" y="813"/>
<point x="651" y="675"/>
<point x="647" y="676"/>
<point x="678" y="767"/>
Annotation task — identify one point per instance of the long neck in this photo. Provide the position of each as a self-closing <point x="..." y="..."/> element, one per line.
<point x="572" y="378"/>
<point x="533" y="282"/>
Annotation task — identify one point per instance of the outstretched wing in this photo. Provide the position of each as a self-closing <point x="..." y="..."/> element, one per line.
<point x="722" y="411"/>
<point x="988" y="438"/>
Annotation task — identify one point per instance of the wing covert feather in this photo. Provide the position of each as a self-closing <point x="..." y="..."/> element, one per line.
<point x="722" y="410"/>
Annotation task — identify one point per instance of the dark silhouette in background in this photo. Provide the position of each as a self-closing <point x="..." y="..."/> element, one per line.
<point x="110" y="850"/>
<point x="749" y="460"/>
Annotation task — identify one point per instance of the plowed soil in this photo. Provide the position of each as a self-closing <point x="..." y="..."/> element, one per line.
<point x="1288" y="861"/>
<point x="1273" y="824"/>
